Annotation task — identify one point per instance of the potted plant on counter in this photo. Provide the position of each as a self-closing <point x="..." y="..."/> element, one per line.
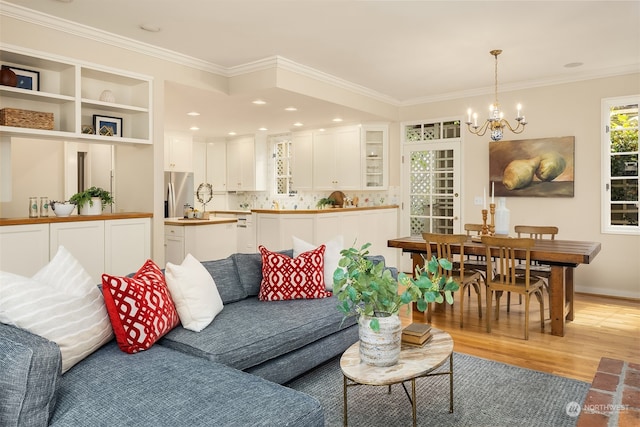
<point x="325" y="202"/>
<point x="369" y="290"/>
<point x="92" y="201"/>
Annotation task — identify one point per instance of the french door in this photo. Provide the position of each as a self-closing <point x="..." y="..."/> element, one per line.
<point x="431" y="178"/>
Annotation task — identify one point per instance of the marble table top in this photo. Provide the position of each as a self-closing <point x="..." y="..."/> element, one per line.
<point x="414" y="362"/>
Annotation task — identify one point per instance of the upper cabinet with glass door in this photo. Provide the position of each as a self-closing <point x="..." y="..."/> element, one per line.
<point x="77" y="95"/>
<point x="375" y="149"/>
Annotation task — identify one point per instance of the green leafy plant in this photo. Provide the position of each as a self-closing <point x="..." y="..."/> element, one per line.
<point x="366" y="287"/>
<point x="83" y="197"/>
<point x="324" y="202"/>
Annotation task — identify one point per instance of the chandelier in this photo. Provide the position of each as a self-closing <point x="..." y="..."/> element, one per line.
<point x="496" y="122"/>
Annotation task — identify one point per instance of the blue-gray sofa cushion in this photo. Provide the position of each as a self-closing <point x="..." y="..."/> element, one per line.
<point x="251" y="331"/>
<point x="250" y="270"/>
<point x="30" y="367"/>
<point x="225" y="275"/>
<point x="162" y="387"/>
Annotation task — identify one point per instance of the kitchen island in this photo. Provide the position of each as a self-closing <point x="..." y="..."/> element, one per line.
<point x="113" y="243"/>
<point x="357" y="225"/>
<point x="205" y="239"/>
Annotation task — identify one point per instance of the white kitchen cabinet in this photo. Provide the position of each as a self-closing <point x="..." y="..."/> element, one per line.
<point x="302" y="161"/>
<point x="84" y="240"/>
<point x="174" y="244"/>
<point x="205" y="242"/>
<point x="375" y="150"/>
<point x="246" y="163"/>
<point x="199" y="163"/>
<point x="127" y="245"/>
<point x="24" y="249"/>
<point x="357" y="226"/>
<point x="178" y="152"/>
<point x="337" y="159"/>
<point x="275" y="231"/>
<point x="114" y="246"/>
<point x="71" y="91"/>
<point x="217" y="165"/>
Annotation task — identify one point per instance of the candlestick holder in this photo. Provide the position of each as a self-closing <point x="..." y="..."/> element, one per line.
<point x="492" y="226"/>
<point x="485" y="228"/>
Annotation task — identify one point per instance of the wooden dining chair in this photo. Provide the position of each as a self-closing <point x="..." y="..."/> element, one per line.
<point x="476" y="262"/>
<point x="466" y="279"/>
<point x="537" y="232"/>
<point x="507" y="279"/>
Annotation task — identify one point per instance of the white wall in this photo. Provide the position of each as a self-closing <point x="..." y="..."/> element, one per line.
<point x="564" y="110"/>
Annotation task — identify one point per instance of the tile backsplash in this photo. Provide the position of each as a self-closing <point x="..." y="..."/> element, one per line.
<point x="305" y="200"/>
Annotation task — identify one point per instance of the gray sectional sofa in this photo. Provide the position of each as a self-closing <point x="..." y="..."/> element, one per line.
<point x="228" y="374"/>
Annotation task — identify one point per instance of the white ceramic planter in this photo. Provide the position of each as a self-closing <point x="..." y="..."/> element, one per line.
<point x="380" y="348"/>
<point x="89" y="209"/>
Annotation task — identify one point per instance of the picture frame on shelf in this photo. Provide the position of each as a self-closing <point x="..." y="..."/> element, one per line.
<point x="26" y="79"/>
<point x="107" y="126"/>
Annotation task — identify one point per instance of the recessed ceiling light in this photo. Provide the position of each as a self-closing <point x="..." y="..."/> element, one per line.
<point x="193" y="113"/>
<point x="194" y="128"/>
<point x="259" y="102"/>
<point x="232" y="133"/>
<point x="150" y="28"/>
<point x="291" y="109"/>
<point x="65" y="1"/>
<point x="573" y="64"/>
<point x="263" y="129"/>
<point x="337" y="119"/>
<point x="298" y="124"/>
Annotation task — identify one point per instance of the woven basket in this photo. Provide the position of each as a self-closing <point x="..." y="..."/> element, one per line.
<point x="26" y="119"/>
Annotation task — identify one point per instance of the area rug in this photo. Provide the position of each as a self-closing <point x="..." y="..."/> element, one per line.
<point x="486" y="394"/>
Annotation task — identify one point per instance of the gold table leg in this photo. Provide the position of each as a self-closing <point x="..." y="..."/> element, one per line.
<point x="344" y="396"/>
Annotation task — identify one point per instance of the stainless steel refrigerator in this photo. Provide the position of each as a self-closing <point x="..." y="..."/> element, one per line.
<point x="178" y="191"/>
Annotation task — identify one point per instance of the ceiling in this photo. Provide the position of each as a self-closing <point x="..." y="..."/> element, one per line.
<point x="403" y="52"/>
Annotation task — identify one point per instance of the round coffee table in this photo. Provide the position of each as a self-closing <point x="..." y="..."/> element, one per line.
<point x="415" y="362"/>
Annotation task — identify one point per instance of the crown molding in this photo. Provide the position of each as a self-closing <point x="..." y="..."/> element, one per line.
<point x="283" y="63"/>
<point x="531" y="84"/>
<point x="279" y="62"/>
<point x="95" y="34"/>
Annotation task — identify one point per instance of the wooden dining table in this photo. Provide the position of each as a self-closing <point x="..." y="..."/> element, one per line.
<point x="563" y="256"/>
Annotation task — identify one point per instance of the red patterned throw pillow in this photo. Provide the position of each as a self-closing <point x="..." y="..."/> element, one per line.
<point x="286" y="278"/>
<point x="140" y="308"/>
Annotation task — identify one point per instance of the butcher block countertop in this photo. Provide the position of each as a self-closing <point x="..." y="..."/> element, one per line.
<point x="320" y="211"/>
<point x="194" y="221"/>
<point x="74" y="218"/>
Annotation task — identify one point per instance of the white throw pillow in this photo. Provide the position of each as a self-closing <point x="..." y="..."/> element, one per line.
<point x="194" y="293"/>
<point x="59" y="303"/>
<point x="331" y="255"/>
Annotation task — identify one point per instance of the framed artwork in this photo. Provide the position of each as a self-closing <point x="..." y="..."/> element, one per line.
<point x="27" y="79"/>
<point x="541" y="167"/>
<point x="107" y="126"/>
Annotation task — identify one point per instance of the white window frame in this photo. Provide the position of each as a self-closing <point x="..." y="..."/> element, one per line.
<point x="606" y="226"/>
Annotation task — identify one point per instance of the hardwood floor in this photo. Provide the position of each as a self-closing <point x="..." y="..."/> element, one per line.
<point x="603" y="327"/>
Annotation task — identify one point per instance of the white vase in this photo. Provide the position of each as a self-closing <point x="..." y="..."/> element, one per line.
<point x="502" y="217"/>
<point x="380" y="348"/>
<point x="93" y="208"/>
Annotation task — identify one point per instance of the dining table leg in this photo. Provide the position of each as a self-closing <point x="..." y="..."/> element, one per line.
<point x="561" y="294"/>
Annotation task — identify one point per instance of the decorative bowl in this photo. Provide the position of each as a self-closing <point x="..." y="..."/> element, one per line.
<point x="62" y="208"/>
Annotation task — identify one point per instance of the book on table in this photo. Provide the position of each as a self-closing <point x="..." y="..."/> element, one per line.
<point x="418" y="342"/>
<point x="416" y="333"/>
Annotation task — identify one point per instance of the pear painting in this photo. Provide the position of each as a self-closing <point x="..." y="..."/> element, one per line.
<point x="532" y="168"/>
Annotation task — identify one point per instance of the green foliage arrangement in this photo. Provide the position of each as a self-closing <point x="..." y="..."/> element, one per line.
<point x="368" y="288"/>
<point x="85" y="197"/>
<point x="324" y="202"/>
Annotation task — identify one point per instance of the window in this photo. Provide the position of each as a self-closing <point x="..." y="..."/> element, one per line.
<point x="620" y="165"/>
<point x="282" y="163"/>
